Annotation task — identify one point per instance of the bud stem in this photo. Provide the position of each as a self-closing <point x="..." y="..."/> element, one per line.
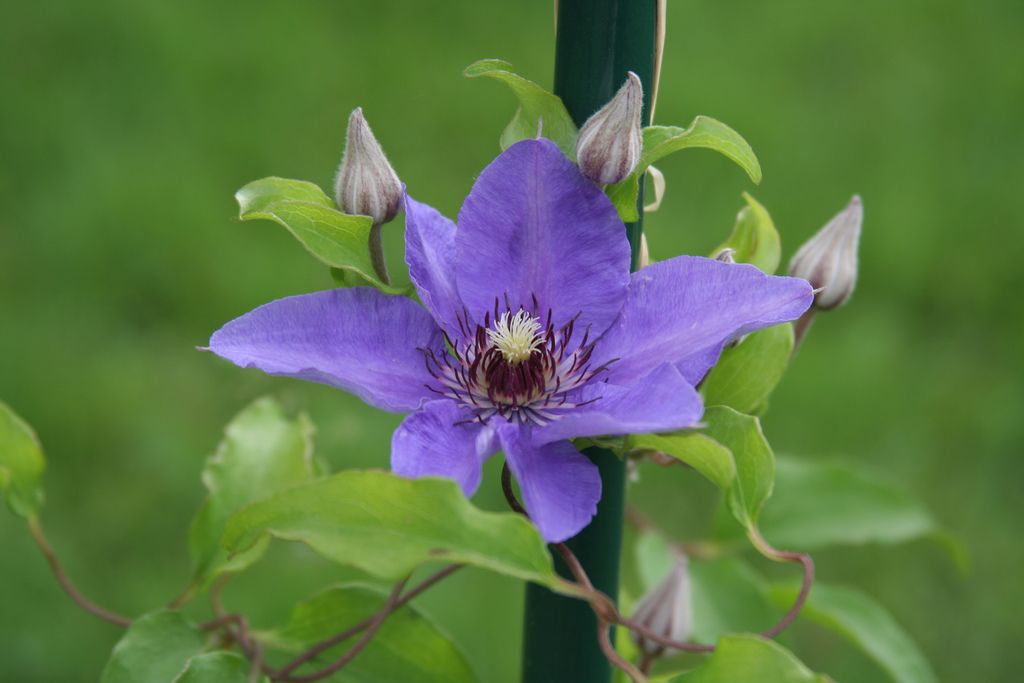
<point x="380" y="266"/>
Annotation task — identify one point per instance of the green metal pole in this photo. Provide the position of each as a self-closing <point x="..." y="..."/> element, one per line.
<point x="598" y="41"/>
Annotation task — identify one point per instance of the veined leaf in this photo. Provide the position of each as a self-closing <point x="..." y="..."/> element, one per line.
<point x="746" y="374"/>
<point x="755" y="462"/>
<point x="747" y="658"/>
<point x="409" y="648"/>
<point x="660" y="141"/>
<point x="823" y="503"/>
<point x="866" y="624"/>
<point x="387" y="526"/>
<point x="21" y="464"/>
<point x="154" y="649"/>
<point x="729" y="596"/>
<point x="216" y="667"/>
<point x="697" y="450"/>
<point x="754" y="237"/>
<point x="536" y="105"/>
<point x="263" y="452"/>
<point x="332" y="237"/>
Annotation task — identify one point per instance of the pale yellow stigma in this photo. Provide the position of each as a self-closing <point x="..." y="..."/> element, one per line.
<point x="516" y="336"/>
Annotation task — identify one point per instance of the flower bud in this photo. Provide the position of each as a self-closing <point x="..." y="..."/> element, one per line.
<point x="829" y="259"/>
<point x="643" y="257"/>
<point x="726" y="255"/>
<point x="666" y="610"/>
<point x="610" y="142"/>
<point x="366" y="184"/>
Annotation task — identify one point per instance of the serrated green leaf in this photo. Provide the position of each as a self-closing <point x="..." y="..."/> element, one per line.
<point x="387" y="526"/>
<point x="754" y="238"/>
<point x="216" y="667"/>
<point x="745" y="375"/>
<point x="332" y="237"/>
<point x="755" y="462"/>
<point x="697" y="450"/>
<point x="535" y="104"/>
<point x="866" y="624"/>
<point x="21" y="464"/>
<point x="660" y="141"/>
<point x="409" y="648"/>
<point x="823" y="503"/>
<point x="745" y="658"/>
<point x="154" y="649"/>
<point x="263" y="452"/>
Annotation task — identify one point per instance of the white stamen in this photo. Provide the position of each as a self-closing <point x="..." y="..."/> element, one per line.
<point x="516" y="336"/>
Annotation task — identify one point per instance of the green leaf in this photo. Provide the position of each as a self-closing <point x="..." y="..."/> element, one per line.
<point x="697" y="450"/>
<point x="828" y="503"/>
<point x="216" y="667"/>
<point x="154" y="649"/>
<point x="746" y="374"/>
<point x="263" y="452"/>
<point x="754" y="237"/>
<point x="535" y="105"/>
<point x="745" y="658"/>
<point x="407" y="649"/>
<point x="729" y="596"/>
<point x="660" y="141"/>
<point x="864" y="623"/>
<point x="259" y="195"/>
<point x="387" y="526"/>
<point x="755" y="462"/>
<point x="334" y="238"/>
<point x="21" y="464"/>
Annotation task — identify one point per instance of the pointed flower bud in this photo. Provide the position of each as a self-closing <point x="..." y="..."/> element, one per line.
<point x="643" y="257"/>
<point x="366" y="184"/>
<point x="666" y="610"/>
<point x="610" y="142"/>
<point x="727" y="255"/>
<point x="829" y="259"/>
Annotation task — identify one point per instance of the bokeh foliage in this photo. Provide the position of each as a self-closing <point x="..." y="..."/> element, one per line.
<point x="126" y="127"/>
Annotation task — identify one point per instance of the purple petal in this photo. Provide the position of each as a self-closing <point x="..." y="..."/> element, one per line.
<point x="356" y="339"/>
<point x="560" y="485"/>
<point x="685" y="309"/>
<point x="663" y="401"/>
<point x="534" y="226"/>
<point x="430" y="254"/>
<point x="440" y="441"/>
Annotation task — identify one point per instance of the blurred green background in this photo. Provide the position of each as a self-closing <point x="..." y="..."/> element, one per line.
<point x="125" y="127"/>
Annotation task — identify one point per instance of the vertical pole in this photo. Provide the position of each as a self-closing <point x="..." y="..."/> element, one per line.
<point x="598" y="41"/>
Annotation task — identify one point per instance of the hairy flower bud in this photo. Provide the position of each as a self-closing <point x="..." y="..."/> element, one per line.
<point x="366" y="184"/>
<point x="666" y="610"/>
<point x="829" y="259"/>
<point x="610" y="142"/>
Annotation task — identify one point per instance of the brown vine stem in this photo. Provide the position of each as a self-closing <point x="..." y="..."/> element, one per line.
<point x="36" y="529"/>
<point x="327" y="644"/>
<point x="614" y="657"/>
<point x="606" y="611"/>
<point x="378" y="620"/>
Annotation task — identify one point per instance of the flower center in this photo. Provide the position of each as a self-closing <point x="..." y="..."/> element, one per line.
<point x="519" y="368"/>
<point x="517" y="336"/>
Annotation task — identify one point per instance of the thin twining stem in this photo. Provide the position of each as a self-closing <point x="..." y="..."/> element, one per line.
<point x="604" y="607"/>
<point x="378" y="620"/>
<point x="36" y="529"/>
<point x="635" y="674"/>
<point x="251" y="647"/>
<point x="327" y="644"/>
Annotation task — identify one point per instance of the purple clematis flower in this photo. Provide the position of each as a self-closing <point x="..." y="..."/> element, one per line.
<point x="532" y="332"/>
